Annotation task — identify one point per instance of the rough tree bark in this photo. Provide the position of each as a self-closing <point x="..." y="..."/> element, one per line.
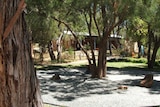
<point x="50" y="50"/>
<point x="101" y="62"/>
<point x="151" y="56"/>
<point x="18" y="82"/>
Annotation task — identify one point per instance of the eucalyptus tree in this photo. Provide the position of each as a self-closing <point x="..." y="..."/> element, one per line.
<point x="151" y="16"/>
<point x="105" y="15"/>
<point x="18" y="82"/>
<point x="41" y="27"/>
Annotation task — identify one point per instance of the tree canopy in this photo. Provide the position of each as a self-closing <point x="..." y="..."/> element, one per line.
<point x="152" y="17"/>
<point x="38" y="17"/>
<point x="101" y="18"/>
<point x="98" y="17"/>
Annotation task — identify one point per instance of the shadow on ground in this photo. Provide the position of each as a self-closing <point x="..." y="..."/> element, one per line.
<point x="75" y="83"/>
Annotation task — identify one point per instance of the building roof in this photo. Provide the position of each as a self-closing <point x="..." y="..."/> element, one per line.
<point x="87" y="34"/>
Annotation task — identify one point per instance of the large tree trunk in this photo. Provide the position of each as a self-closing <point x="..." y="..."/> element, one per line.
<point x="101" y="64"/>
<point x="102" y="59"/>
<point x="18" y="82"/>
<point x="156" y="44"/>
<point x="151" y="62"/>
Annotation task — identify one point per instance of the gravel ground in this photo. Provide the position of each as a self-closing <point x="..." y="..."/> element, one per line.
<point x="77" y="89"/>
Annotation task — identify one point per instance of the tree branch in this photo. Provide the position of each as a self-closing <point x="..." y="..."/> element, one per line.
<point x="8" y="29"/>
<point x="74" y="35"/>
<point x="94" y="18"/>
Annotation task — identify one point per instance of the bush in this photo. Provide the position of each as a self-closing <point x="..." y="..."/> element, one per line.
<point x="71" y="51"/>
<point x="68" y="55"/>
<point x="157" y="63"/>
<point x="138" y="60"/>
<point x="125" y="53"/>
<point x="129" y="59"/>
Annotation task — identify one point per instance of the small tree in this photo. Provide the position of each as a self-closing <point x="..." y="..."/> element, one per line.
<point x="152" y="17"/>
<point x="104" y="15"/>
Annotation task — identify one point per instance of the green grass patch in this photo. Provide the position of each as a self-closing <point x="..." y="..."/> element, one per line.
<point x="123" y="63"/>
<point x="126" y="65"/>
<point x="57" y="66"/>
<point x="132" y="63"/>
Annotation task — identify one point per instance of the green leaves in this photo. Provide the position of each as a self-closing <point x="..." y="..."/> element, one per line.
<point x="38" y="18"/>
<point x="137" y="29"/>
<point x="72" y="12"/>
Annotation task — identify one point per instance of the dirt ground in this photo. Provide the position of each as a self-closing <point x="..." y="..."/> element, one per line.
<point x="77" y="89"/>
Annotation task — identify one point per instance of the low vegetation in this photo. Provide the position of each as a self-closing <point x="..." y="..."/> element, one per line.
<point x="123" y="63"/>
<point x="131" y="63"/>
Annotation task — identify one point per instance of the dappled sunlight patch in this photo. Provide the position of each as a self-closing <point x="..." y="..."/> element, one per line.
<point x="123" y="77"/>
<point x="75" y="85"/>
